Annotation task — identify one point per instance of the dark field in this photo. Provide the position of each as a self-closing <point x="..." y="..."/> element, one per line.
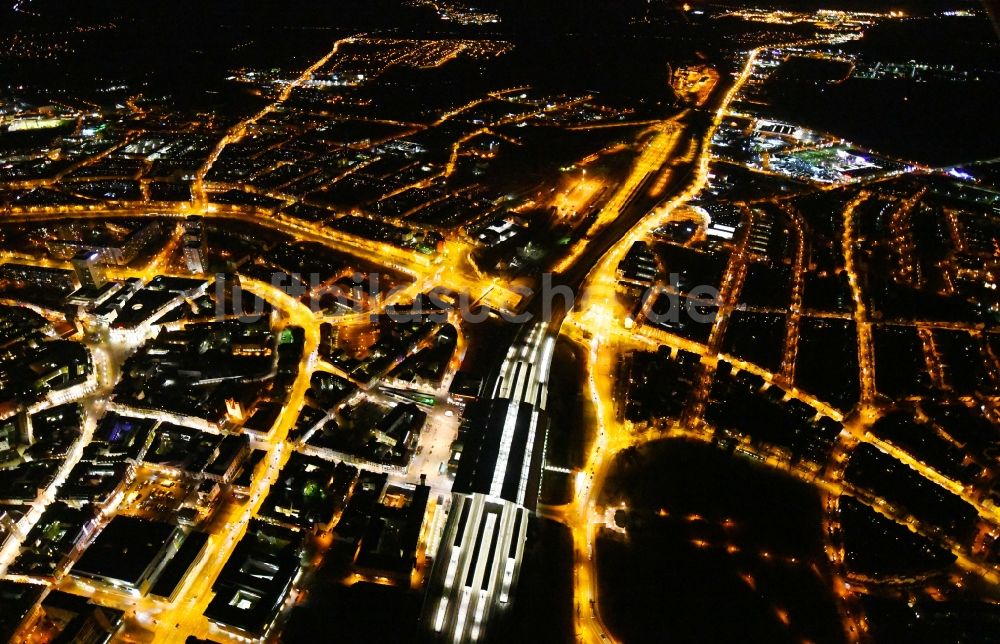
<point x="934" y="122"/>
<point x="718" y="550"/>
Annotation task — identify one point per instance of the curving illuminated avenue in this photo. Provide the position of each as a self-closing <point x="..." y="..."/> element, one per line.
<point x="611" y="436"/>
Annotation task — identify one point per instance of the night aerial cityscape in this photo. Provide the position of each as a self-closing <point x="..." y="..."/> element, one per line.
<point x="531" y="321"/>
